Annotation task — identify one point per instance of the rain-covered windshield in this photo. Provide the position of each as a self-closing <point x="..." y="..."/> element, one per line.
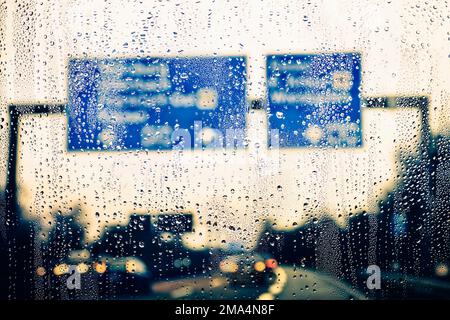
<point x="270" y="150"/>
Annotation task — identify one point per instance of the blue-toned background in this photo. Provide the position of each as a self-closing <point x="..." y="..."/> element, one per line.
<point x="314" y="99"/>
<point x="136" y="103"/>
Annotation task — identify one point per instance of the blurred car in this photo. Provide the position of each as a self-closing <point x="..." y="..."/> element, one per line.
<point x="248" y="269"/>
<point x="129" y="276"/>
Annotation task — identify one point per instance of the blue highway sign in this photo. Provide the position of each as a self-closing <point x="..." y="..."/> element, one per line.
<point x="314" y="99"/>
<point x="156" y="103"/>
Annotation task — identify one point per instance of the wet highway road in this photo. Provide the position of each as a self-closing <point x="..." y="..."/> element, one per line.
<point x="290" y="284"/>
